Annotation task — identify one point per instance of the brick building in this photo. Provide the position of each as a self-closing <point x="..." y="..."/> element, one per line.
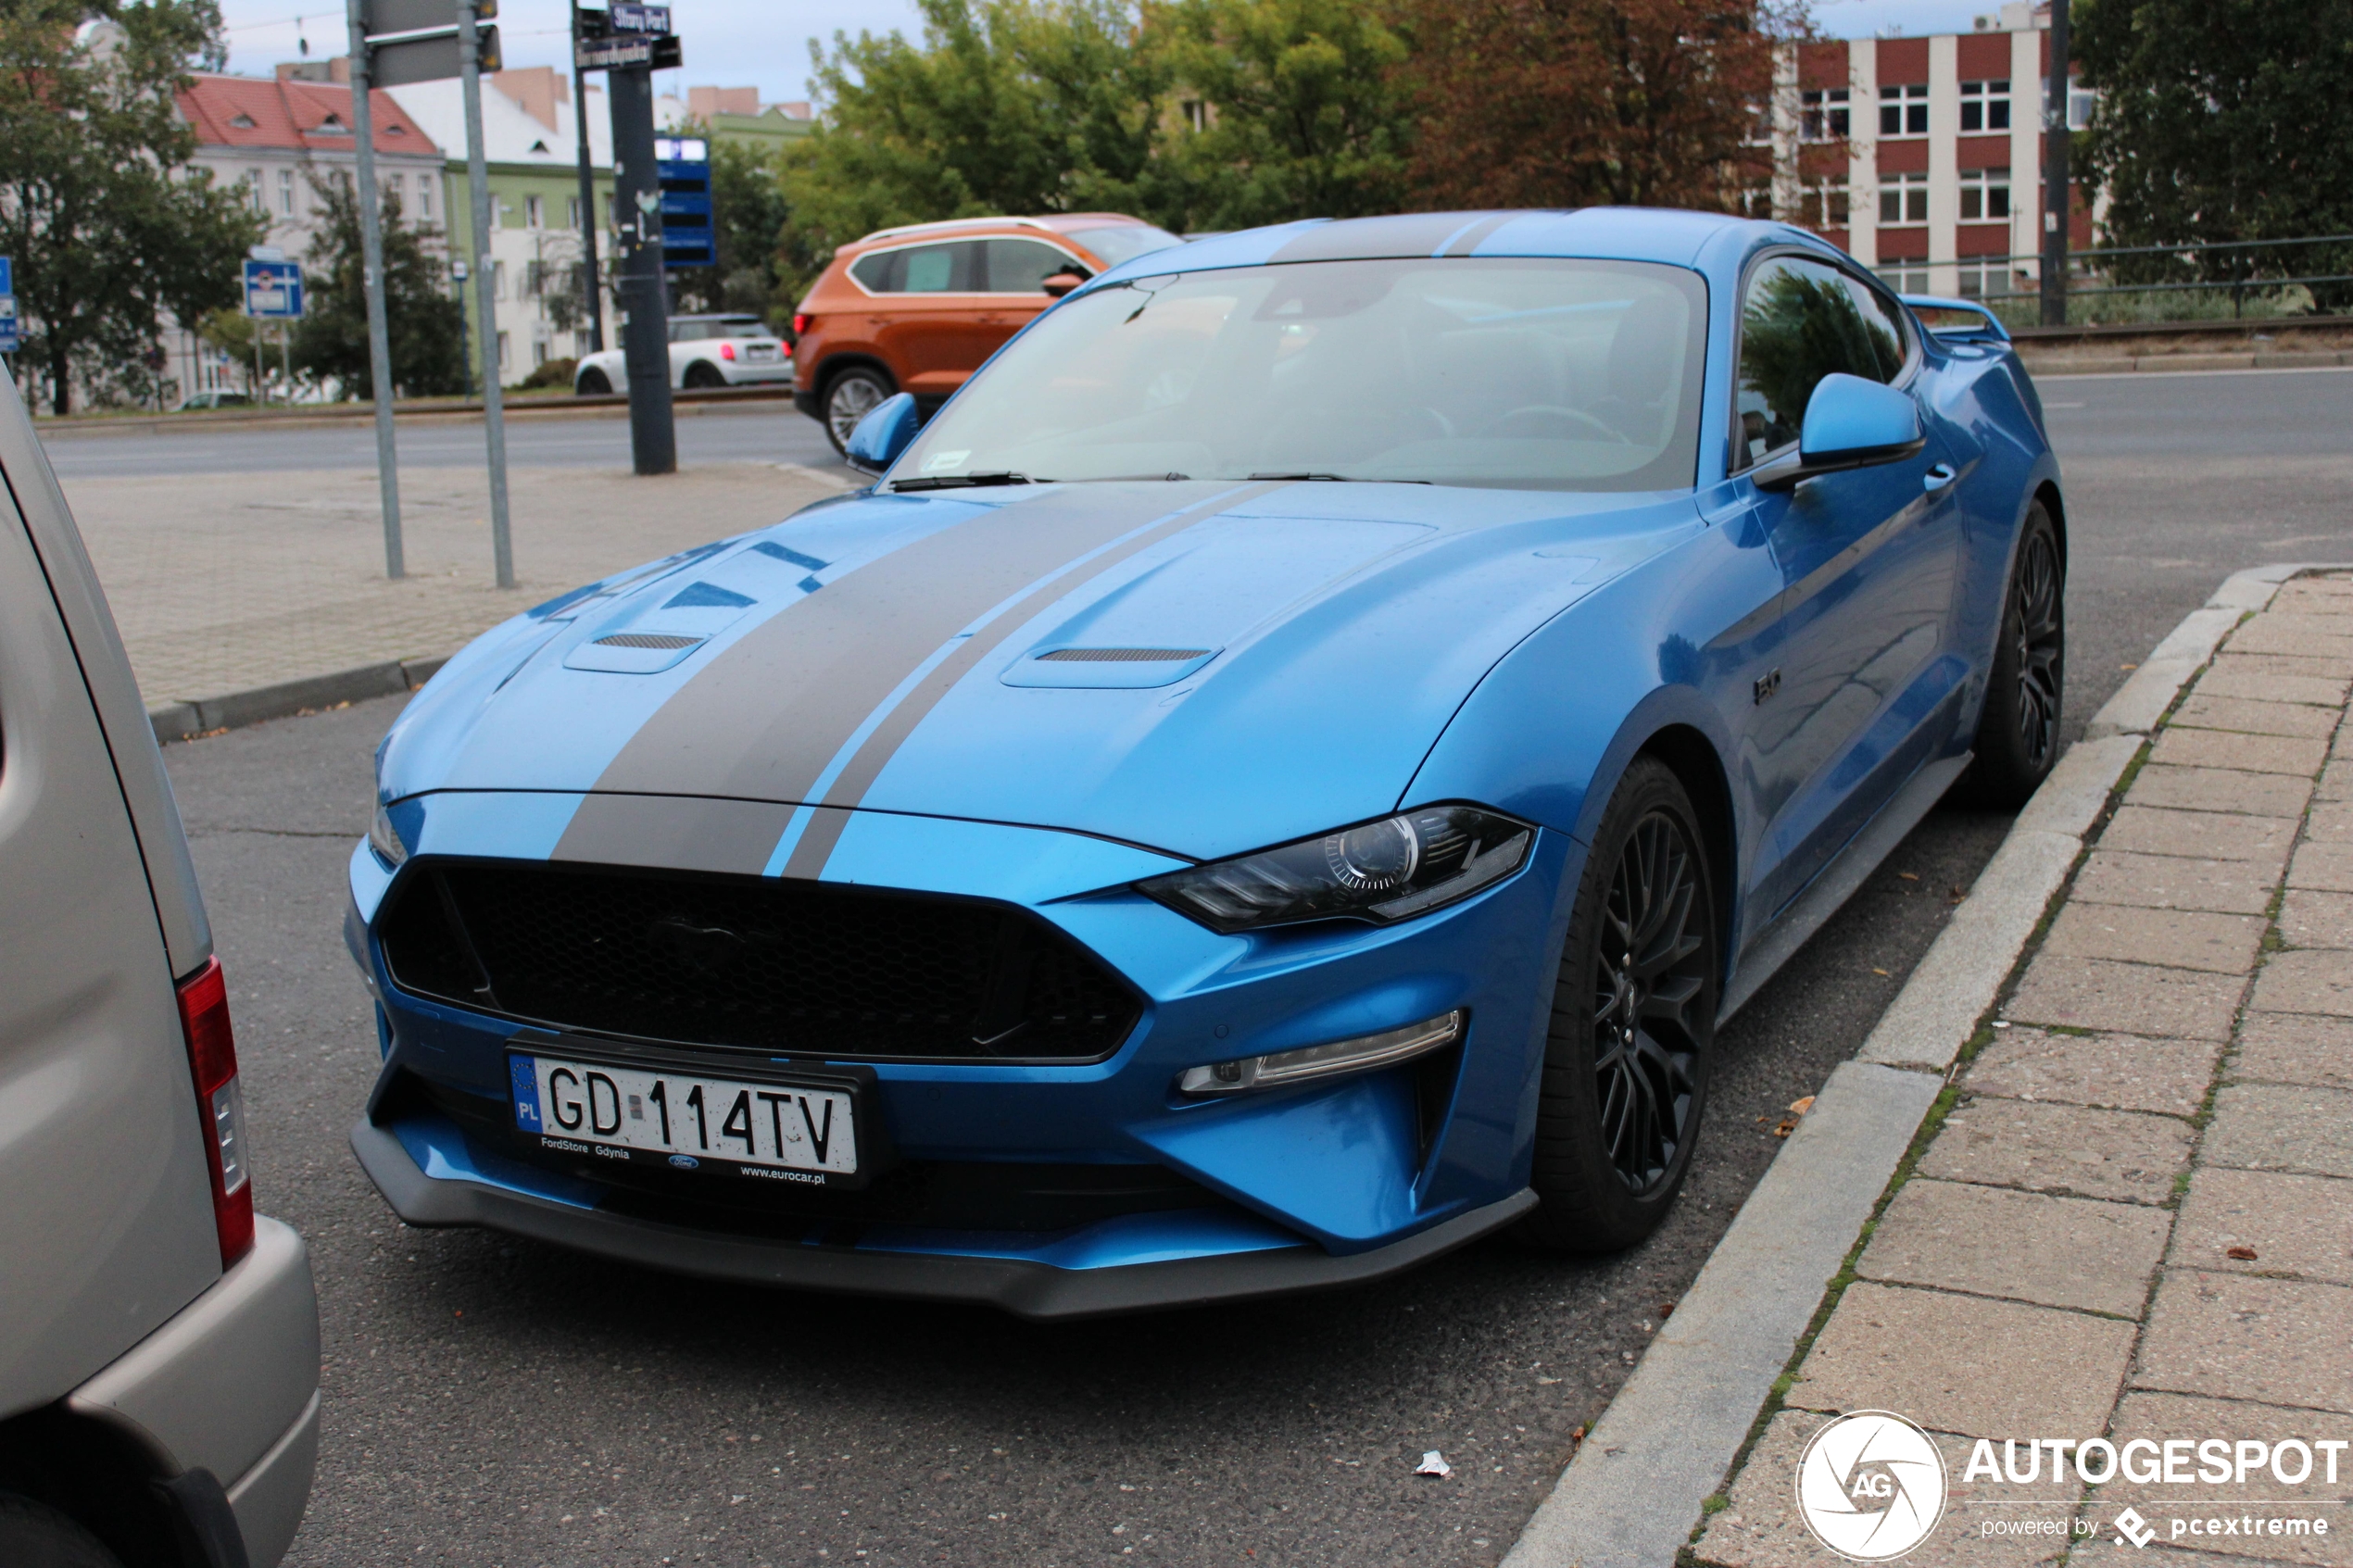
<point x="1924" y="158"/>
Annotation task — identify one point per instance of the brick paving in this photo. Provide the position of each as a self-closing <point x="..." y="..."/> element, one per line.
<point x="222" y="583"/>
<point x="2136" y="1218"/>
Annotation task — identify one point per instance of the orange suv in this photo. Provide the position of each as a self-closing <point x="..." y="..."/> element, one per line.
<point x="917" y="308"/>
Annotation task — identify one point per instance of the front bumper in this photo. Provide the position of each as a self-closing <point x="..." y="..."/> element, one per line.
<point x="231" y="1384"/>
<point x="1023" y="1287"/>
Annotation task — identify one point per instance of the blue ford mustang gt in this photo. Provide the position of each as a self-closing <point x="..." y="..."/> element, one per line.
<point x="1282" y="775"/>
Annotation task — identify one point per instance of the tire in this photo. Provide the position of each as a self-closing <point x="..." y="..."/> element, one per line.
<point x="702" y="375"/>
<point x="591" y="382"/>
<point x="848" y="398"/>
<point x="1619" y="1112"/>
<point x="34" y="1534"/>
<point x="2018" y="733"/>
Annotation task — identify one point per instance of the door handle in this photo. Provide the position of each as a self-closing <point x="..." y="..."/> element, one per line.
<point x="1937" y="478"/>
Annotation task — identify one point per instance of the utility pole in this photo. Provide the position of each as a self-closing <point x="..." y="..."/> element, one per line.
<point x="494" y="412"/>
<point x="637" y="280"/>
<point x="2057" y="197"/>
<point x="371" y="273"/>
<point x="588" y="192"/>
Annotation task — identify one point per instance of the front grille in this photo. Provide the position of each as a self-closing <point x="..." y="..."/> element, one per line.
<point x="752" y="963"/>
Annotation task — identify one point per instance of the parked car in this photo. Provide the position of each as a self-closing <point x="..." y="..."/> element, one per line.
<point x="705" y="351"/>
<point x="198" y="401"/>
<point x="158" y="1340"/>
<point x="1285" y="774"/>
<point x="917" y="308"/>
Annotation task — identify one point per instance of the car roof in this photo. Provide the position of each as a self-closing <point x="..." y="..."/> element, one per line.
<point x="1053" y="223"/>
<point x="1625" y="234"/>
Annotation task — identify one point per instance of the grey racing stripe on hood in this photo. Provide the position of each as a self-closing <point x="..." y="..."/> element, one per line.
<point x="768" y="715"/>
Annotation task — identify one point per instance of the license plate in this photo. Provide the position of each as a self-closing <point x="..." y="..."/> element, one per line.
<point x="760" y="351"/>
<point x="780" y="1132"/>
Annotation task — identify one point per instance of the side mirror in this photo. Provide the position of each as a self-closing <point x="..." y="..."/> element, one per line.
<point x="884" y="433"/>
<point x="1850" y="423"/>
<point x="1062" y="284"/>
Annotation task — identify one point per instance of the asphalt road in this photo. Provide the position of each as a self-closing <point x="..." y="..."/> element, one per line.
<point x="497" y="1401"/>
<point x="764" y="432"/>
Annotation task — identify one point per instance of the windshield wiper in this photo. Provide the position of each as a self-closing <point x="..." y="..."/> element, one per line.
<point x="1340" y="478"/>
<point x="964" y="480"/>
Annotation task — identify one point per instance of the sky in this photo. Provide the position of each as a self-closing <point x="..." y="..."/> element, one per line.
<point x="764" y="44"/>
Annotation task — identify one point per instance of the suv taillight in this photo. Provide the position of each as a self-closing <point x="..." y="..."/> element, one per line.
<point x="801" y="322"/>
<point x="212" y="1059"/>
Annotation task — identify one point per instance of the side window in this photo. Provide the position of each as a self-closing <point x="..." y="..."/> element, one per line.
<point x="1801" y="322"/>
<point x="1023" y="266"/>
<point x="943" y="269"/>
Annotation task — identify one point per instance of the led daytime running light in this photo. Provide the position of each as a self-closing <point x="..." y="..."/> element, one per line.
<point x="1361" y="1054"/>
<point x="384" y="839"/>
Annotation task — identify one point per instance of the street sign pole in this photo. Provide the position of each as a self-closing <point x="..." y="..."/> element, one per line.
<point x="2057" y="206"/>
<point x="371" y="274"/>
<point x="637" y="280"/>
<point x="588" y="192"/>
<point x="493" y="411"/>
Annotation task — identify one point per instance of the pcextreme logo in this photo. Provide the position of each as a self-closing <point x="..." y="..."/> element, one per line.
<point x="1870" y="1485"/>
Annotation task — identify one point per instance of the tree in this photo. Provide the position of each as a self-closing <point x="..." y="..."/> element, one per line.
<point x="2222" y="120"/>
<point x="1574" y="103"/>
<point x="1004" y="105"/>
<point x="110" y="227"/>
<point x="1302" y="116"/>
<point x="425" y="326"/>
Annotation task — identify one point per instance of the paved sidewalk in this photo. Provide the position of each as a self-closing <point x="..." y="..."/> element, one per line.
<point x="2134" y="1218"/>
<point x="222" y="583"/>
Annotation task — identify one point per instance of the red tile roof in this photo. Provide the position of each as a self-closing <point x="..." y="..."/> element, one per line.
<point x="250" y="111"/>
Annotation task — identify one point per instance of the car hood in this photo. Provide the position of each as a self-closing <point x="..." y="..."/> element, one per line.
<point x="1196" y="668"/>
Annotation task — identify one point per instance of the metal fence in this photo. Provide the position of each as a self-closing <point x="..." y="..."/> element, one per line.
<point x="2212" y="271"/>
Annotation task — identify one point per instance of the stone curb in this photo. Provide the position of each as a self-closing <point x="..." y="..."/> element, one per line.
<point x="200" y="716"/>
<point x="2042" y="366"/>
<point x="1667" y="1442"/>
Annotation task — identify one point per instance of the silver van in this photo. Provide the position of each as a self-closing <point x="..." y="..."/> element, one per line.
<point x="159" y="1341"/>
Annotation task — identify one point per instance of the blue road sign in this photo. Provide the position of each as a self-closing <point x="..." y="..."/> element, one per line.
<point x="274" y="290"/>
<point x="9" y="340"/>
<point x="8" y="275"/>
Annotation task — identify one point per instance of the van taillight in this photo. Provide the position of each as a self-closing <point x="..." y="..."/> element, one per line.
<point x="212" y="1059"/>
<point x="801" y="323"/>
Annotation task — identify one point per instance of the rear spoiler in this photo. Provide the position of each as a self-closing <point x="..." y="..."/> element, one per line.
<point x="1977" y="323"/>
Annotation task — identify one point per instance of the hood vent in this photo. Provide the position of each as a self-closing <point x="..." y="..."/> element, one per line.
<point x="1123" y="656"/>
<point x="646" y="640"/>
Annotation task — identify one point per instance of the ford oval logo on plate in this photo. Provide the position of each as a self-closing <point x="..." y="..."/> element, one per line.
<point x="684" y="1161"/>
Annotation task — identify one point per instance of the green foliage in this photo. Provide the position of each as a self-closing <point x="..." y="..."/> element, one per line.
<point x="1797" y="329"/>
<point x="424" y="324"/>
<point x="1306" y="115"/>
<point x="2222" y="120"/>
<point x="547" y="373"/>
<point x="1005" y="106"/>
<point x="108" y="226"/>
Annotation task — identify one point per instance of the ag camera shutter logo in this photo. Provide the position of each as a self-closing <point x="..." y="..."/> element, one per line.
<point x="1870" y="1485"/>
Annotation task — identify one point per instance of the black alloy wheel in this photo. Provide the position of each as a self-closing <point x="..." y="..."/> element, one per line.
<point x="1633" y="1031"/>
<point x="2018" y="737"/>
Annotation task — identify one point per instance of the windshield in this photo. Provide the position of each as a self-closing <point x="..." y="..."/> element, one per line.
<point x="1544" y="373"/>
<point x="1116" y="242"/>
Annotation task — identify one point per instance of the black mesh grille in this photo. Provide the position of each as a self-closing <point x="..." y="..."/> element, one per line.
<point x="1120" y="655"/>
<point x="792" y="968"/>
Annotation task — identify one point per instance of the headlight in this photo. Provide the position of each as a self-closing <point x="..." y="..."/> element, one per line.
<point x="384" y="839"/>
<point x="1380" y="872"/>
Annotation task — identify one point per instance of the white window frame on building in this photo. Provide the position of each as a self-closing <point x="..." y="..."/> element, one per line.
<point x="1903" y="110"/>
<point x="1825" y="114"/>
<point x="1825" y="203"/>
<point x="572" y="212"/>
<point x="1903" y="200"/>
<point x="398" y="185"/>
<point x="534" y="212"/>
<point x="256" y="187"/>
<point x="498" y="291"/>
<point x="426" y="184"/>
<point x="1986" y="106"/>
<point x="286" y="193"/>
<point x="502" y="353"/>
<point x="1905" y="277"/>
<point x="1982" y="277"/>
<point x="1986" y="195"/>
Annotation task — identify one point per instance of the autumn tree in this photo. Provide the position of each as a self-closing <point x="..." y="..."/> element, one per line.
<point x="1577" y="103"/>
<point x="110" y="229"/>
